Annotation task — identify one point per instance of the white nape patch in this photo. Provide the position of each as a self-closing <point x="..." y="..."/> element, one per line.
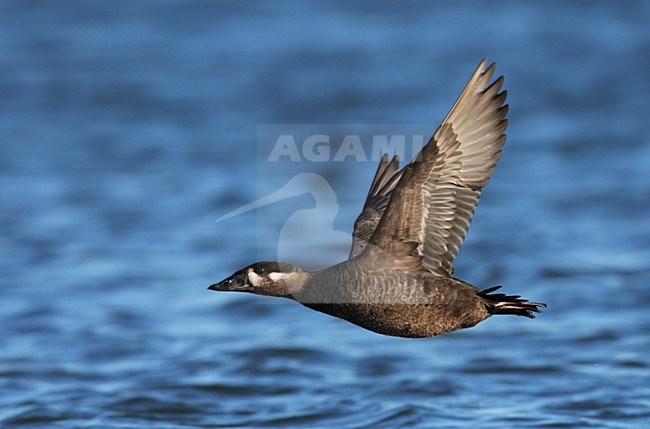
<point x="253" y="278"/>
<point x="276" y="277"/>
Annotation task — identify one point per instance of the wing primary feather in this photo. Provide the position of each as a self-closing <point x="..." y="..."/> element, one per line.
<point x="379" y="194"/>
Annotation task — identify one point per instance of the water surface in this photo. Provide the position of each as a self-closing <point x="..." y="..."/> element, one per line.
<point x="128" y="128"/>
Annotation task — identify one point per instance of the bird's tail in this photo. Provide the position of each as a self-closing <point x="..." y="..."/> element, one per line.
<point x="499" y="303"/>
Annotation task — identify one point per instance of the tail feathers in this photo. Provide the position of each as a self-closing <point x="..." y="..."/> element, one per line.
<point x="499" y="303"/>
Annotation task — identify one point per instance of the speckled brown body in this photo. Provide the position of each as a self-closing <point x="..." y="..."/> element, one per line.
<point x="405" y="320"/>
<point x="393" y="302"/>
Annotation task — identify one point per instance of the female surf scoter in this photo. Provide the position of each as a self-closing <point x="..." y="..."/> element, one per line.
<point x="397" y="280"/>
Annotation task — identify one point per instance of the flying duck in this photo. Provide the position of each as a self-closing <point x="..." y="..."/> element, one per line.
<point x="398" y="278"/>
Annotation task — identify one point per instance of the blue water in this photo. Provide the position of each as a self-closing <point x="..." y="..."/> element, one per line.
<point x="128" y="128"/>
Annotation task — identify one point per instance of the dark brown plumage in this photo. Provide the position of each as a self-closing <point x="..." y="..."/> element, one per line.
<point x="397" y="280"/>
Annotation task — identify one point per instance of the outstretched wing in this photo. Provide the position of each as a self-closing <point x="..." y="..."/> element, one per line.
<point x="433" y="203"/>
<point x="378" y="197"/>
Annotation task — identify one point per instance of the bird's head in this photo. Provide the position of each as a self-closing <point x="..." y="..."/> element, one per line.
<point x="265" y="278"/>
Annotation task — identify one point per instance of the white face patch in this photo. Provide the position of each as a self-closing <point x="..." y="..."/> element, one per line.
<point x="276" y="277"/>
<point x="253" y="278"/>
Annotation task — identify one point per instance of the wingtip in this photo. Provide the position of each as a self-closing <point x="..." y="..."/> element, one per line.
<point x="499" y="80"/>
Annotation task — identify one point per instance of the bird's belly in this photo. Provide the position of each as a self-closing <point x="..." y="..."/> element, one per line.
<point x="402" y="320"/>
